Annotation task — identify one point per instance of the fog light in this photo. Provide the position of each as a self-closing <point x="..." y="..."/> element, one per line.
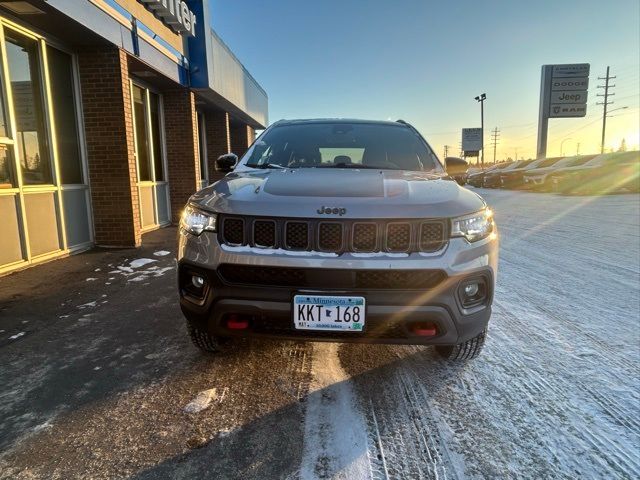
<point x="471" y="290"/>
<point x="197" y="281"/>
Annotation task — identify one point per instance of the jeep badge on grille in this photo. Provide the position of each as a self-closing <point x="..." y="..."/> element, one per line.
<point x="331" y="211"/>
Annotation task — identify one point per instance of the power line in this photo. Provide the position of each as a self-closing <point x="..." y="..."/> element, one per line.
<point x="495" y="140"/>
<point x="605" y="103"/>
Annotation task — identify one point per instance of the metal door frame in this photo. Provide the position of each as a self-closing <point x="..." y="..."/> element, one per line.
<point x="153" y="183"/>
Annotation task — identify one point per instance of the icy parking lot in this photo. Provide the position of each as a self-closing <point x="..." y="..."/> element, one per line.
<point x="98" y="378"/>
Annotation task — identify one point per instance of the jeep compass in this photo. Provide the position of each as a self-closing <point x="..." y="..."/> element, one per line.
<point x="338" y="230"/>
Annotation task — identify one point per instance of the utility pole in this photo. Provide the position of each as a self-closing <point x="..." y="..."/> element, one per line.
<point x="578" y="148"/>
<point x="446" y="151"/>
<point x="461" y="151"/>
<point x="495" y="136"/>
<point x="605" y="103"/>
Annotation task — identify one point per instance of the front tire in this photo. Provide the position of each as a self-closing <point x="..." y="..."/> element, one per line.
<point x="463" y="351"/>
<point x="204" y="341"/>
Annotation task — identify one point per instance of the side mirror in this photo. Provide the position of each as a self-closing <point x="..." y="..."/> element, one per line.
<point x="227" y="162"/>
<point x="455" y="166"/>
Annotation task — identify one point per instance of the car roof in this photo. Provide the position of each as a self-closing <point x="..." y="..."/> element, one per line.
<point x="304" y="121"/>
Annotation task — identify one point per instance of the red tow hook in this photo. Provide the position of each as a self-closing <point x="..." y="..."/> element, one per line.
<point x="236" y="323"/>
<point x="424" y="329"/>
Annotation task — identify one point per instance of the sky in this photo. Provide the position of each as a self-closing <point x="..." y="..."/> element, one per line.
<point x="425" y="61"/>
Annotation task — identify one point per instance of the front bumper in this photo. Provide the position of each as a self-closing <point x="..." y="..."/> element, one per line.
<point x="390" y="314"/>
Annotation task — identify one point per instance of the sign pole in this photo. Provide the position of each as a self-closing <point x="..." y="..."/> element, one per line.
<point x="543" y="114"/>
<point x="482" y="127"/>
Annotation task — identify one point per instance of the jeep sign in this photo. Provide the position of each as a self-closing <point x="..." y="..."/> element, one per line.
<point x="175" y="14"/>
<point x="568" y="97"/>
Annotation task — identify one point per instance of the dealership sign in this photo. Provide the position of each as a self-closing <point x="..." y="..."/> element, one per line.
<point x="471" y="141"/>
<point x="563" y="94"/>
<point x="175" y="14"/>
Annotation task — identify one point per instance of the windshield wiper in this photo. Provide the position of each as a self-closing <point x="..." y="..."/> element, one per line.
<point x="353" y="165"/>
<point x="265" y="165"/>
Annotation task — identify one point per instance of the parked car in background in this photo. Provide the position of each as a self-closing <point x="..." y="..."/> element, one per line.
<point x="513" y="178"/>
<point x="457" y="169"/>
<point x="606" y="173"/>
<point x="492" y="179"/>
<point x="539" y="178"/>
<point x="476" y="178"/>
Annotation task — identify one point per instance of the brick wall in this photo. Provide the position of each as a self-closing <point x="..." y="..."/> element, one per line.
<point x="218" y="140"/>
<point x="241" y="137"/>
<point x="108" y="124"/>
<point x="181" y="133"/>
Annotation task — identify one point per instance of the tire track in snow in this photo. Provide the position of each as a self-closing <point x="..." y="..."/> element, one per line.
<point x="335" y="432"/>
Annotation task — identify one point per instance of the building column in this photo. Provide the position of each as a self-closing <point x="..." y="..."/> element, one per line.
<point x="181" y="134"/>
<point x="242" y="137"/>
<point x="218" y="140"/>
<point x="108" y="127"/>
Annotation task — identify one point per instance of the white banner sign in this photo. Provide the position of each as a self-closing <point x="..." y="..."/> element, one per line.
<point x="471" y="139"/>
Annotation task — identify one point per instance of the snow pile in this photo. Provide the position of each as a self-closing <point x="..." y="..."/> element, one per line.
<point x="202" y="401"/>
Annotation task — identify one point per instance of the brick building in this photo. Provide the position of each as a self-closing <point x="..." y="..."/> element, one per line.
<point x="112" y="113"/>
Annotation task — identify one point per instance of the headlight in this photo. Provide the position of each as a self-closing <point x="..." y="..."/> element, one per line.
<point x="196" y="221"/>
<point x="473" y="227"/>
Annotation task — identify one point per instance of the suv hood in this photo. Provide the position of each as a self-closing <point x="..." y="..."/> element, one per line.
<point x="353" y="193"/>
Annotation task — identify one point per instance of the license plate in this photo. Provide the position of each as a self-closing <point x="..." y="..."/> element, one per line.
<point x="344" y="314"/>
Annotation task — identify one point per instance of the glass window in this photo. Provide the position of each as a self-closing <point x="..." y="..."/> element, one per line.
<point x="23" y="60"/>
<point x="339" y="144"/>
<point x="158" y="153"/>
<point x="337" y="155"/>
<point x="142" y="147"/>
<point x="3" y="117"/>
<point x="5" y="167"/>
<point x="64" y="114"/>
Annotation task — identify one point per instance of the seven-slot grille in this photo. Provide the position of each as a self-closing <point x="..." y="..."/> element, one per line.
<point x="362" y="236"/>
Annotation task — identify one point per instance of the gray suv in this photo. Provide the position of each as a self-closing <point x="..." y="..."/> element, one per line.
<point x="338" y="230"/>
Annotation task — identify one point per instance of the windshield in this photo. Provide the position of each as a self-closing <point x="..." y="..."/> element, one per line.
<point x="342" y="145"/>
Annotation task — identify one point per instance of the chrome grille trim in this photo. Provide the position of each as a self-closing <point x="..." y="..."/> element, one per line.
<point x="375" y="245"/>
<point x="398" y="229"/>
<point x="262" y="224"/>
<point x="323" y="234"/>
<point x="428" y="236"/>
<point x="303" y="230"/>
<point x="231" y="227"/>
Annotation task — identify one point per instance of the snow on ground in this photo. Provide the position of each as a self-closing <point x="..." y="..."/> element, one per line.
<point x="555" y="393"/>
<point x="141" y="262"/>
<point x="335" y="433"/>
